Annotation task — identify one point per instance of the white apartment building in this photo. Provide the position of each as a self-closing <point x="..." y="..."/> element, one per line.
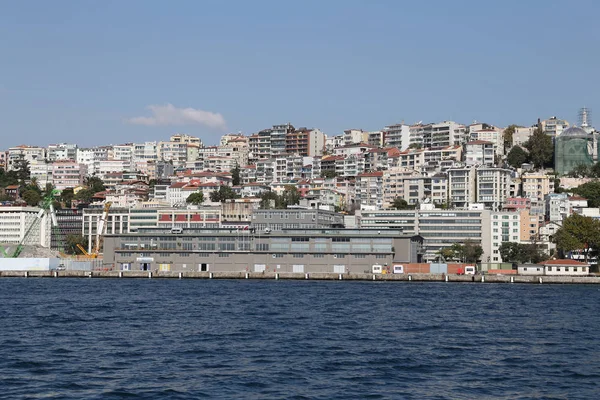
<point x="123" y="152"/>
<point x="102" y="168"/>
<point x="187" y="139"/>
<point x="446" y="133"/>
<point x="333" y="142"/>
<point x="172" y="151"/>
<point x="461" y="186"/>
<point x="259" y="146"/>
<point x="522" y="135"/>
<point x="490" y="134"/>
<point x="558" y="207"/>
<point x="393" y="184"/>
<point x="41" y="171"/>
<point x="355" y="136"/>
<point x="493" y="186"/>
<point x="369" y="190"/>
<point x="480" y="152"/>
<point x="554" y="126"/>
<point x="24" y="153"/>
<point x="143" y="152"/>
<point x="220" y="163"/>
<point x="68" y="174"/>
<point x="375" y="139"/>
<point x="505" y="227"/>
<point x="397" y="135"/>
<point x="62" y="151"/>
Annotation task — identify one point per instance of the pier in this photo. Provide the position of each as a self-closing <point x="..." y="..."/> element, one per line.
<point x="278" y="276"/>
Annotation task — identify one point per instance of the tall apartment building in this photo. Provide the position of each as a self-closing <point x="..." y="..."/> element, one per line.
<point x="493" y="186"/>
<point x="62" y="151"/>
<point x="259" y="146"/>
<point x="354" y="136"/>
<point x="24" y="153"/>
<point x="489" y="134"/>
<point x="369" y="190"/>
<point x="187" y="139"/>
<point x="123" y="152"/>
<point x="397" y="135"/>
<point x="68" y="174"/>
<point x="536" y="185"/>
<point x="278" y="138"/>
<point x="41" y="171"/>
<point x="505" y="227"/>
<point x="447" y="133"/>
<point x="554" y="126"/>
<point x="375" y="139"/>
<point x="480" y="152"/>
<point x="175" y="152"/>
<point x="461" y="186"/>
<point x="305" y="142"/>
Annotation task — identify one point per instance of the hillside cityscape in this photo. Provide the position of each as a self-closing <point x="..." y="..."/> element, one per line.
<point x="475" y="192"/>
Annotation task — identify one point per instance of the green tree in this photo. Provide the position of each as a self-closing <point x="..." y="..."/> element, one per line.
<point x="472" y="251"/>
<point x="8" y="178"/>
<point x="580" y="171"/>
<point x="591" y="191"/>
<point x="416" y="146"/>
<point x="195" y="198"/>
<point x="328" y="174"/>
<point x="516" y="156"/>
<point x="235" y="176"/>
<point x="521" y="252"/>
<point x="540" y="147"/>
<point x="66" y="196"/>
<point x="268" y="200"/>
<point x="84" y="195"/>
<point x="95" y="184"/>
<point x="290" y="196"/>
<point x="223" y="193"/>
<point x="507" y="136"/>
<point x="71" y="242"/>
<point x="578" y="232"/>
<point x="31" y="197"/>
<point x="401" y="204"/>
<point x="510" y="252"/>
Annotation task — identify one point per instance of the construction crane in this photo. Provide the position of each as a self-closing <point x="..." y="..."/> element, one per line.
<point x="100" y="229"/>
<point x="84" y="251"/>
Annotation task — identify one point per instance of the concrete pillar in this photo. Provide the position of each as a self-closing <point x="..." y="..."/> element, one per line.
<point x="150" y="275"/>
<point x="410" y="277"/>
<point x="276" y="276"/>
<point x="306" y="276"/>
<point x="120" y="274"/>
<point x="482" y="278"/>
<point x="180" y="275"/>
<point x="210" y="275"/>
<point x="247" y="275"/>
<point x="340" y="277"/>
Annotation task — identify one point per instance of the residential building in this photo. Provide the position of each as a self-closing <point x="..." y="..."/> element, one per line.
<point x="296" y="218"/>
<point x="536" y="185"/>
<point x="505" y="228"/>
<point x="24" y="153"/>
<point x="305" y="142"/>
<point x="41" y="171"/>
<point x="557" y="207"/>
<point x="68" y="174"/>
<point x="493" y="186"/>
<point x="355" y="136"/>
<point x="23" y="225"/>
<point x="554" y="126"/>
<point x="62" y="151"/>
<point x="369" y="190"/>
<point x="397" y="135"/>
<point x="462" y="187"/>
<point x="185" y="139"/>
<point x="480" y="152"/>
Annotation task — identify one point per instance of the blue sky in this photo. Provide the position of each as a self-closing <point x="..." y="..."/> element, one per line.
<point x="86" y="72"/>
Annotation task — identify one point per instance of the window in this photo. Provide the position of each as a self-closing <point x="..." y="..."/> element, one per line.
<point x="360" y="256"/>
<point x="298" y="255"/>
<point x="318" y="255"/>
<point x="223" y="254"/>
<point x="380" y="256"/>
<point x="549" y="269"/>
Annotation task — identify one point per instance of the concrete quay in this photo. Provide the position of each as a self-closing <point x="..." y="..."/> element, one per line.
<point x="542" y="279"/>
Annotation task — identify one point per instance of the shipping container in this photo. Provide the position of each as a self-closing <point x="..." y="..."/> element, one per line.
<point x="416" y="268"/>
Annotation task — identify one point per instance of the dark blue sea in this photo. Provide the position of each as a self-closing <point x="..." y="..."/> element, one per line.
<point x="227" y="339"/>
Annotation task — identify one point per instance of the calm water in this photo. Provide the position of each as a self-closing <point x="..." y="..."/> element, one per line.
<point x="171" y="339"/>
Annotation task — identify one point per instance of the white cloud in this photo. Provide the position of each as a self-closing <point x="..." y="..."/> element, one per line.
<point x="171" y="115"/>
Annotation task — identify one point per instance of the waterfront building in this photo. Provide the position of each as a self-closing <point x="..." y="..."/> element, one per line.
<point x="295" y="218"/>
<point x="505" y="228"/>
<point x="294" y="250"/>
<point x="23" y="224"/>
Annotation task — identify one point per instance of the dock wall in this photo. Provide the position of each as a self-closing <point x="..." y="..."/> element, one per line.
<point x="414" y="277"/>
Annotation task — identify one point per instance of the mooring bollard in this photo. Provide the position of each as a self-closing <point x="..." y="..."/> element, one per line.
<point x="512" y="279"/>
<point x="446" y="278"/>
<point x="90" y="274"/>
<point x="276" y="276"/>
<point x="150" y="275"/>
<point x="180" y="275"/>
<point x="120" y="274"/>
<point x="482" y="278"/>
<point x="410" y="277"/>
<point x="373" y="276"/>
<point x="210" y="275"/>
<point x="56" y="274"/>
<point x="247" y="275"/>
<point x="340" y="277"/>
<point x="540" y="279"/>
<point x="26" y="274"/>
<point x="306" y="276"/>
